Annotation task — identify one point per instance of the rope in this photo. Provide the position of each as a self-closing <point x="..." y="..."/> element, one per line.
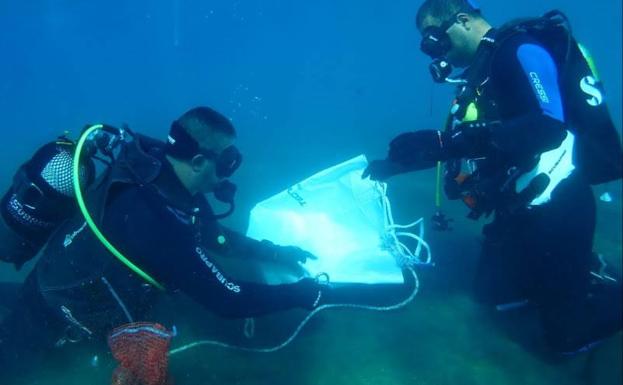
<point x="114" y="294"/>
<point x="401" y="252"/>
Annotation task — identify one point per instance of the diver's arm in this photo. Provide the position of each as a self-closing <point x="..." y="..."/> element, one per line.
<point x="528" y="97"/>
<point x="157" y="241"/>
<point x="210" y="286"/>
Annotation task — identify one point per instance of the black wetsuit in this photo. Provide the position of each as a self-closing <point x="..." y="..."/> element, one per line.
<point x="79" y="291"/>
<point x="538" y="252"/>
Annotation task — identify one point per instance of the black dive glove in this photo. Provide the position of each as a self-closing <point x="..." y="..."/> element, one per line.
<point x="408" y="152"/>
<point x="383" y="169"/>
<point x="418" y="150"/>
<point x="286" y="254"/>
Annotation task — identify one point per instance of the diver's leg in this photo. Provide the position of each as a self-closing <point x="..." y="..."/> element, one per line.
<point x="501" y="274"/>
<point x="575" y="309"/>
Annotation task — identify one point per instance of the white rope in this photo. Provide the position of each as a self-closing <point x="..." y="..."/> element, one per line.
<point x="410" y="225"/>
<point x="405" y="258"/>
<point x="423" y="243"/>
<point x="401" y="252"/>
<point x="114" y="294"/>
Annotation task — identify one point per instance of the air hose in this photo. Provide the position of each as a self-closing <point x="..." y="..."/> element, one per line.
<point x="87" y="216"/>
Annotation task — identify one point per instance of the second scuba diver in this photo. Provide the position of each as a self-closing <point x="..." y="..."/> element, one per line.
<point x="527" y="135"/>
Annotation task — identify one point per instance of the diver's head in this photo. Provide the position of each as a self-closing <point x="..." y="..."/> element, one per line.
<point x="200" y="148"/>
<point x="451" y="30"/>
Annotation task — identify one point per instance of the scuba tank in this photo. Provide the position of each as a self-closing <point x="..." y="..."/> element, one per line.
<point x="40" y="198"/>
<point x="42" y="195"/>
<point x="597" y="154"/>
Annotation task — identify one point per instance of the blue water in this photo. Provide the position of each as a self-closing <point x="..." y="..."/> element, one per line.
<point x="307" y="84"/>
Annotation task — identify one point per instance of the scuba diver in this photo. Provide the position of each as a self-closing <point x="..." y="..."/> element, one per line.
<point x="158" y="235"/>
<point x="527" y="135"/>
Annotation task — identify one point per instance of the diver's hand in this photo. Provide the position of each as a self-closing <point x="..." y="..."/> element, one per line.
<point x="417" y="149"/>
<point x="292" y="254"/>
<point x="287" y="254"/>
<point x="381" y="170"/>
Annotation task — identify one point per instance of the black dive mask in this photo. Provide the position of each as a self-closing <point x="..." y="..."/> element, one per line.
<point x="436" y="44"/>
<point x="435" y="40"/>
<point x="181" y="145"/>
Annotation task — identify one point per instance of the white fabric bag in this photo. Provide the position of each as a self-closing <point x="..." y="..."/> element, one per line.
<point x="344" y="220"/>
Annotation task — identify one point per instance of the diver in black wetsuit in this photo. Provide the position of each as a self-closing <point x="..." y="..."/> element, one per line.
<point x="527" y="134"/>
<point x="151" y="206"/>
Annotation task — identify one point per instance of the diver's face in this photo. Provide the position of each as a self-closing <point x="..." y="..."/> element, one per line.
<point x="204" y="167"/>
<point x="459" y="32"/>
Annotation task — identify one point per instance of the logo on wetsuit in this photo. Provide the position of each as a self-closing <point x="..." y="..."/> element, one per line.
<point x="538" y="87"/>
<point x="219" y="276"/>
<point x="587" y="84"/>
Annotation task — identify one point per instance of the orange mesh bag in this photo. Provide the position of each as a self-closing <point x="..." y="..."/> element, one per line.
<point x="142" y="352"/>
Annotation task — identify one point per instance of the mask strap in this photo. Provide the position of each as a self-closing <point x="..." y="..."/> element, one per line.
<point x="180" y="144"/>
